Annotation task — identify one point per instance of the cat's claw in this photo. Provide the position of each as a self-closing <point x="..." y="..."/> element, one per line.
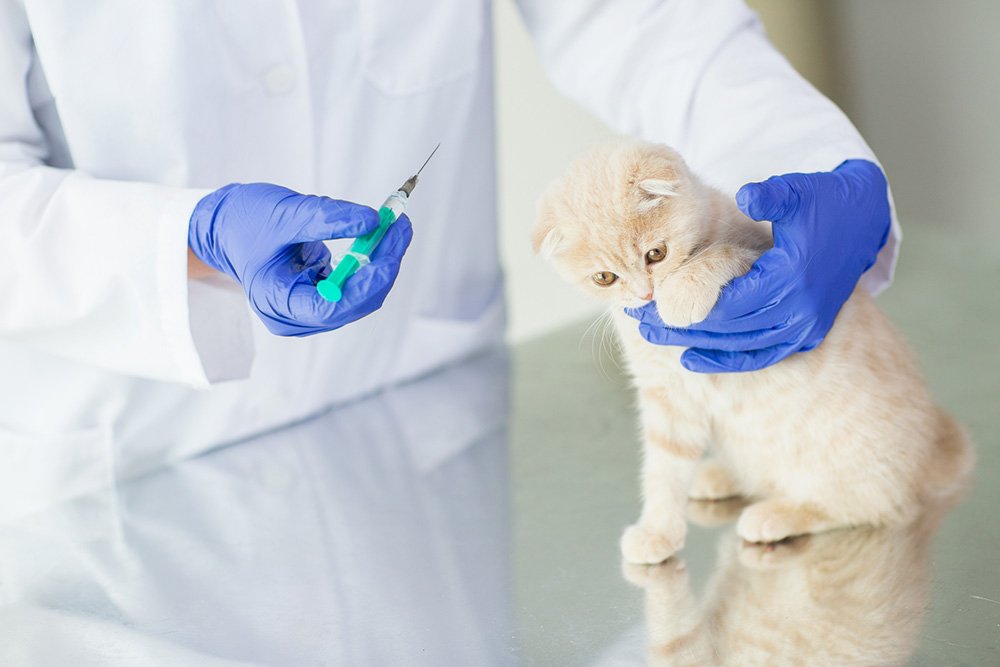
<point x="647" y="545"/>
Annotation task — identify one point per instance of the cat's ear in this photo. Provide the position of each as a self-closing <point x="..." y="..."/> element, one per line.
<point x="546" y="237"/>
<point x="546" y="240"/>
<point x="655" y="191"/>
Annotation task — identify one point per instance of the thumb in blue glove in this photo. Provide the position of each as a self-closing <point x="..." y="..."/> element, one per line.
<point x="828" y="229"/>
<point x="269" y="239"/>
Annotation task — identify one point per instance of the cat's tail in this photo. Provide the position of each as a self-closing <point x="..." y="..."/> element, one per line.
<point x="951" y="462"/>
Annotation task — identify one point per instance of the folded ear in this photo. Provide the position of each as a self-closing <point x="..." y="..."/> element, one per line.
<point x="655" y="191"/>
<point x="546" y="239"/>
<point x="658" y="187"/>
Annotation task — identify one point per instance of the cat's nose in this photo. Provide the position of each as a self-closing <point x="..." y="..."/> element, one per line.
<point x="648" y="297"/>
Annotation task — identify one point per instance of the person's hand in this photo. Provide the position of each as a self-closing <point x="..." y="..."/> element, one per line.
<point x="828" y="228"/>
<point x="269" y="239"/>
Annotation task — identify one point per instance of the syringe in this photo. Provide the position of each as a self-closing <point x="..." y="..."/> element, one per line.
<point x="331" y="288"/>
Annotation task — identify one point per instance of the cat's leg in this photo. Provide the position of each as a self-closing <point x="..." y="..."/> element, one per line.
<point x="713" y="481"/>
<point x="672" y="446"/>
<point x="775" y="519"/>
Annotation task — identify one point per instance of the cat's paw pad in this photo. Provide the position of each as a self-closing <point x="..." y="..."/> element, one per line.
<point x="712" y="482"/>
<point x="647" y="545"/>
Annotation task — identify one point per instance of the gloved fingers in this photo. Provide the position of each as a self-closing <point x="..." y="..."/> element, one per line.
<point x="862" y="176"/>
<point x="363" y="294"/>
<point x="721" y="361"/>
<point x="323" y="218"/>
<point x="395" y="242"/>
<point x="646" y="314"/>
<point x="365" y="291"/>
<point x="774" y="199"/>
<point x="318" y="265"/>
<point x="725" y="342"/>
<point x="311" y="254"/>
<point x="753" y="301"/>
<point x="745" y="306"/>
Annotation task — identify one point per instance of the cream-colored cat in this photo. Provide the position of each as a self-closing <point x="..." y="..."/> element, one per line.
<point x="845" y="434"/>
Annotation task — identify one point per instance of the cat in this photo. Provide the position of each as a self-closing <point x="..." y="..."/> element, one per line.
<point x="845" y="434"/>
<point x="844" y="597"/>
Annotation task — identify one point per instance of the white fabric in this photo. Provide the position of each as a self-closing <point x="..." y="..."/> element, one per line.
<point x="116" y="119"/>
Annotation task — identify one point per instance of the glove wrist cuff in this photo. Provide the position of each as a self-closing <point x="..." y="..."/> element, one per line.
<point x="201" y="230"/>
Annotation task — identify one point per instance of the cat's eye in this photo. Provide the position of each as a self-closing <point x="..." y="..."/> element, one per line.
<point x="657" y="254"/>
<point x="604" y="278"/>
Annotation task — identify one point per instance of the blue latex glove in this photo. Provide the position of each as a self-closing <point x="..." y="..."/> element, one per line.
<point x="269" y="239"/>
<point x="828" y="228"/>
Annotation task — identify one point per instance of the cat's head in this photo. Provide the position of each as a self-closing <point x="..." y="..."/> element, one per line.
<point x="620" y="220"/>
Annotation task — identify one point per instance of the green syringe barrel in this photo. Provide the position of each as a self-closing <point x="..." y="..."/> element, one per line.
<point x="331" y="288"/>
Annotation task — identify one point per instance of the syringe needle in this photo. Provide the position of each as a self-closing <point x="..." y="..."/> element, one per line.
<point x="428" y="159"/>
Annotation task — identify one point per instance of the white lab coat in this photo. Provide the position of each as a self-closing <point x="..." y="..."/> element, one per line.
<point x="115" y="118"/>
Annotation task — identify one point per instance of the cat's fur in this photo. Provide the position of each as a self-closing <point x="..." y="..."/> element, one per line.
<point x="845" y="434"/>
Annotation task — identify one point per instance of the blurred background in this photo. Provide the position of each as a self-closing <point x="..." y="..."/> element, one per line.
<point x="920" y="78"/>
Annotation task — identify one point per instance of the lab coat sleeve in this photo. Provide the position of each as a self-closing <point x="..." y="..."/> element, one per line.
<point x="701" y="76"/>
<point x="92" y="270"/>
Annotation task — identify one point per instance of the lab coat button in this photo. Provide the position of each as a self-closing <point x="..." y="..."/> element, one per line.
<point x="279" y="80"/>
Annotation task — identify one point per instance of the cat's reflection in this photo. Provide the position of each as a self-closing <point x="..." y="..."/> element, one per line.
<point x="846" y="597"/>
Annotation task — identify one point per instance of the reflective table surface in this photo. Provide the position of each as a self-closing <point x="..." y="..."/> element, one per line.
<point x="472" y="518"/>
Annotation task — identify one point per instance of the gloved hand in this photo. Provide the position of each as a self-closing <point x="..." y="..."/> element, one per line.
<point x="269" y="239"/>
<point x="828" y="228"/>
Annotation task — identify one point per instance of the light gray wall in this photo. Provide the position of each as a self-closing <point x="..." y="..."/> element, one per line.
<point x="921" y="79"/>
<point x="538" y="133"/>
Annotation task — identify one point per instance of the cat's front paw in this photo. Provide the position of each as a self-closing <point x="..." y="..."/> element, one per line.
<point x="648" y="545"/>
<point x="681" y="304"/>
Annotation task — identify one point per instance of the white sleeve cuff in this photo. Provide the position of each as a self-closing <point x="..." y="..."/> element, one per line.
<point x="206" y="321"/>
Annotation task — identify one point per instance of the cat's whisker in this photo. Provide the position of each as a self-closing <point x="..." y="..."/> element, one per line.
<point x="602" y="338"/>
<point x="591" y="327"/>
<point x="597" y="331"/>
<point x="615" y="349"/>
<point x="728" y="223"/>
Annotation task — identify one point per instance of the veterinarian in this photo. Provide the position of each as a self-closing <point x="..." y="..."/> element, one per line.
<point x="156" y="256"/>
